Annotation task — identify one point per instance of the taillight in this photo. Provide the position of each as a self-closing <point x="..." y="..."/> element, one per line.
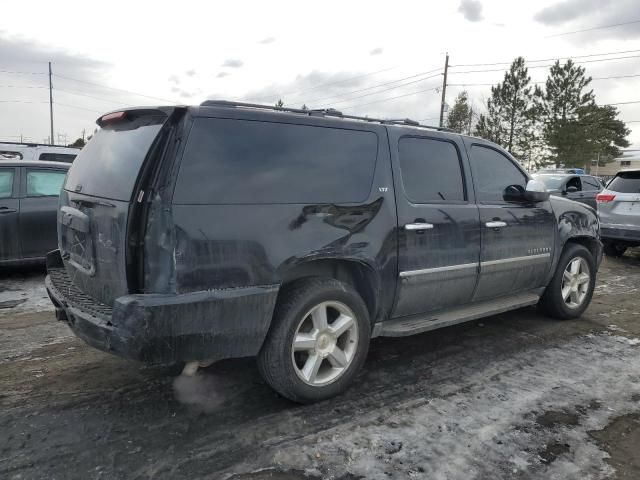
<point x="113" y="117"/>
<point x="605" y="197"/>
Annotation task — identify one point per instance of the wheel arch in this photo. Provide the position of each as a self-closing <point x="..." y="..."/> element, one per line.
<point x="361" y="276"/>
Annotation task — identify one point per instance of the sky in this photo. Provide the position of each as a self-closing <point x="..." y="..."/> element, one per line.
<point x="367" y="58"/>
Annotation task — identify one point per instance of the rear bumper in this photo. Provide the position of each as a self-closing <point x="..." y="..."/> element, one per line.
<point x="165" y="329"/>
<point x="629" y="233"/>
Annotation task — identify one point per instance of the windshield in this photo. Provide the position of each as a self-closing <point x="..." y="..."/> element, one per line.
<point x="108" y="165"/>
<point x="552" y="182"/>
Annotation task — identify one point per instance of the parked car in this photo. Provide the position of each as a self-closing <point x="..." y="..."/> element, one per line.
<point x="581" y="188"/>
<point x="28" y="209"/>
<point x="577" y="171"/>
<point x="37" y="151"/>
<point x="619" y="210"/>
<point x="192" y="234"/>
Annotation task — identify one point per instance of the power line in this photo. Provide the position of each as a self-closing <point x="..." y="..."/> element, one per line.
<point x="22" y="86"/>
<point x="76" y="106"/>
<point x="549" y="65"/>
<point x="22" y="101"/>
<point x="115" y="89"/>
<point x="593" y="28"/>
<point x="391" y="98"/>
<point x="622" y="103"/>
<point x="538" y="83"/>
<point x="102" y="99"/>
<point x="385" y="90"/>
<point x="375" y="86"/>
<point x="276" y="95"/>
<point x="544" y="59"/>
<point x="13" y="72"/>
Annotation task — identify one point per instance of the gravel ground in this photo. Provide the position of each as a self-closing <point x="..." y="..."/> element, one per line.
<point x="512" y="396"/>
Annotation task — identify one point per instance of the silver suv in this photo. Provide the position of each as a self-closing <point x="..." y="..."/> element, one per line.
<point x="619" y="210"/>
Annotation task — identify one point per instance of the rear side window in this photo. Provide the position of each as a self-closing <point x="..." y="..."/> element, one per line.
<point x="6" y="183"/>
<point x="240" y="161"/>
<point x="492" y="173"/>
<point x="41" y="183"/>
<point x="108" y="165"/>
<point x="625" y="182"/>
<point x="57" y="157"/>
<point x="430" y="170"/>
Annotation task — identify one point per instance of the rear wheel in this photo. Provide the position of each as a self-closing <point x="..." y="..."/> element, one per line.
<point x="569" y="293"/>
<point x="614" y="249"/>
<point x="317" y="342"/>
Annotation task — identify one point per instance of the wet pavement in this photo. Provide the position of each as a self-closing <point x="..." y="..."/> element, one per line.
<point x="516" y="395"/>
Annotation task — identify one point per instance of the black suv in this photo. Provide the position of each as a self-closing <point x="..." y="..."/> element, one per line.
<point x="194" y="234"/>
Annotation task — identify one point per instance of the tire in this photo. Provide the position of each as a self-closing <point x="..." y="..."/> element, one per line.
<point x="614" y="249"/>
<point x="553" y="301"/>
<point x="298" y="312"/>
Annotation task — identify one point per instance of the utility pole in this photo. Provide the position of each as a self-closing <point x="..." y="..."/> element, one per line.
<point x="51" y="103"/>
<point x="598" y="164"/>
<point x="444" y="88"/>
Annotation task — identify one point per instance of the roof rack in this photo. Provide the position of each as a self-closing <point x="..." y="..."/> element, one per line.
<point x="324" y="112"/>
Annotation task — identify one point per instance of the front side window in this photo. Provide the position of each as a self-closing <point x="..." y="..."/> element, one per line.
<point x="57" y="157"/>
<point x="493" y="172"/>
<point x="6" y="182"/>
<point x="430" y="170"/>
<point x="575" y="183"/>
<point x="42" y="183"/>
<point x="244" y="162"/>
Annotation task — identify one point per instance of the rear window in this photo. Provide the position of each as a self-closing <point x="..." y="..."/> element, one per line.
<point x="10" y="155"/>
<point x="108" y="165"/>
<point x="625" y="182"/>
<point x="57" y="157"/>
<point x="240" y="161"/>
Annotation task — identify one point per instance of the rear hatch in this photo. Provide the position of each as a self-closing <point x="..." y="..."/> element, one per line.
<point x="619" y="203"/>
<point x="101" y="187"/>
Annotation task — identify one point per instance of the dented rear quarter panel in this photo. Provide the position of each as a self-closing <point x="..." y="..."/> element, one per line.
<point x="242" y="245"/>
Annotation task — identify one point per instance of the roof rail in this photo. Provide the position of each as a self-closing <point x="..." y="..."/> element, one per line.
<point x="33" y="144"/>
<point x="325" y="112"/>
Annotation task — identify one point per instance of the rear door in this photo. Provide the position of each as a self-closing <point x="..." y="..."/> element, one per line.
<point x="619" y="205"/>
<point x="38" y="210"/>
<point x="100" y="189"/>
<point x="438" y="226"/>
<point x="9" y="207"/>
<point x="517" y="238"/>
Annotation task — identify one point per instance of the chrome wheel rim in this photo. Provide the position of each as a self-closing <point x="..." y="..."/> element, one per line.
<point x="575" y="282"/>
<point x="325" y="343"/>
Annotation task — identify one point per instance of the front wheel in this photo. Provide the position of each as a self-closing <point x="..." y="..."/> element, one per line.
<point x="569" y="293"/>
<point x="318" y="340"/>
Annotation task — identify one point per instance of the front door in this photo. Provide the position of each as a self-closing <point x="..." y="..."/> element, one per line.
<point x="517" y="238"/>
<point x="438" y="227"/>
<point x="9" y="206"/>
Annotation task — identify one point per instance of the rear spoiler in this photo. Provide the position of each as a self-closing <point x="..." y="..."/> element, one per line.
<point x="136" y="112"/>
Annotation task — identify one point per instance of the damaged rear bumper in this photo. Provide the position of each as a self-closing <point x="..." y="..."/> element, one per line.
<point x="166" y="328"/>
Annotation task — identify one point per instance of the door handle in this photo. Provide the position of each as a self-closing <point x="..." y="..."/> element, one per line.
<point x="418" y="226"/>
<point x="7" y="210"/>
<point x="496" y="224"/>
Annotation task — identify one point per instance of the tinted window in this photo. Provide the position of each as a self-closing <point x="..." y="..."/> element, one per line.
<point x="108" y="165"/>
<point x="625" y="182"/>
<point x="57" y="157"/>
<point x="44" y="182"/>
<point x="10" y="155"/>
<point x="590" y="183"/>
<point x="6" y="183"/>
<point x="430" y="170"/>
<point x="574" y="182"/>
<point x="492" y="173"/>
<point x="239" y="161"/>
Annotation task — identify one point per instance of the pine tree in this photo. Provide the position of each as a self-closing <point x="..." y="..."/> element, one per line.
<point x="304" y="107"/>
<point x="279" y="103"/>
<point x="460" y="115"/>
<point x="511" y="117"/>
<point x="561" y="104"/>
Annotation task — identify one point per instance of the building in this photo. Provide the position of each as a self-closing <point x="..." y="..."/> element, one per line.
<point x="630" y="158"/>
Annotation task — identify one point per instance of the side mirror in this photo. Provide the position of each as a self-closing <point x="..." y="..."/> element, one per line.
<point x="572" y="189"/>
<point x="536" y="191"/>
